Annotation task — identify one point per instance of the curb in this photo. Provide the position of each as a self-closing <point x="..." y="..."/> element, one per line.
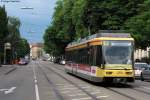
<point x="11" y="70"/>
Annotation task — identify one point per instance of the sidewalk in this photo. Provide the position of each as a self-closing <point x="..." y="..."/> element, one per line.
<point x="6" y="69"/>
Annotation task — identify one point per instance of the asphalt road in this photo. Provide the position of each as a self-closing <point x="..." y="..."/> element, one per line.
<point x="42" y="80"/>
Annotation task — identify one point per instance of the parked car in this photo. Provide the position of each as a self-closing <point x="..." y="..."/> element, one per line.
<point x="23" y="62"/>
<point x="44" y="59"/>
<point x="62" y="62"/>
<point x="57" y="60"/>
<point x="138" y="68"/>
<point x="145" y="74"/>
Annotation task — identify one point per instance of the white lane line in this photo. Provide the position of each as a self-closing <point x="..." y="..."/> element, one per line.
<point x="83" y="98"/>
<point x="36" y="86"/>
<point x="101" y="97"/>
<point x="37" y="92"/>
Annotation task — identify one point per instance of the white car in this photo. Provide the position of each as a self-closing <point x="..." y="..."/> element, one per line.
<point x="138" y="68"/>
<point x="63" y="62"/>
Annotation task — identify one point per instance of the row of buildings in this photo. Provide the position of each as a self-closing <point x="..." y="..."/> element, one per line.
<point x="140" y="53"/>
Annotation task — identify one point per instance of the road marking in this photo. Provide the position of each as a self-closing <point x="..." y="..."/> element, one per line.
<point x="37" y="92"/>
<point x="36" y="85"/>
<point x="11" y="90"/>
<point x="101" y="97"/>
<point x="83" y="98"/>
<point x="8" y="91"/>
<point x="1" y="90"/>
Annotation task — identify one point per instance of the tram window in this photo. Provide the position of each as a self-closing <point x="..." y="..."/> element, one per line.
<point x="76" y="56"/>
<point x="73" y="56"/>
<point x="94" y="55"/>
<point x="81" y="56"/>
<point x="90" y="54"/>
<point x="99" y="55"/>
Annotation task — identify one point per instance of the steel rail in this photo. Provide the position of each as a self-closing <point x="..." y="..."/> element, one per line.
<point x="58" y="94"/>
<point x="60" y="75"/>
<point x="110" y="89"/>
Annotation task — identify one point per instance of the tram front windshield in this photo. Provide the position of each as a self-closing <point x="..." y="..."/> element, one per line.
<point x="117" y="52"/>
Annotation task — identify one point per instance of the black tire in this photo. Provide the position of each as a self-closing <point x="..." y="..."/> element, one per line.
<point x="141" y="77"/>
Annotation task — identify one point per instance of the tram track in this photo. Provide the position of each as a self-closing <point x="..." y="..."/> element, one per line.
<point x="110" y="89"/>
<point x="148" y="93"/>
<point x="122" y="94"/>
<point x="93" y="97"/>
<point x="138" y="90"/>
<point x="58" y="94"/>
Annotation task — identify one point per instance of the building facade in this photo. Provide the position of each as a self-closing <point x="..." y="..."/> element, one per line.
<point x="36" y="50"/>
<point x="140" y="53"/>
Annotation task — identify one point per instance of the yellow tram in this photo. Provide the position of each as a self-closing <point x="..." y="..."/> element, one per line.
<point x="102" y="57"/>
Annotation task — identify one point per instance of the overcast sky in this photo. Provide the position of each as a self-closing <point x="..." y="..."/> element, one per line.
<point x="34" y="21"/>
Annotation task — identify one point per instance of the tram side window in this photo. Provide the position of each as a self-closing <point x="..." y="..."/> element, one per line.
<point x="71" y="56"/>
<point x="82" y="56"/>
<point x="75" y="56"/>
<point x="99" y="56"/>
<point x="92" y="53"/>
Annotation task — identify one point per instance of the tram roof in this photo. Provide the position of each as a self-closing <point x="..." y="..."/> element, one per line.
<point x="102" y="34"/>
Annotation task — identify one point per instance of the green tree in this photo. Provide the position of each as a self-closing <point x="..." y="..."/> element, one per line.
<point x="74" y="19"/>
<point x="13" y="28"/>
<point x="22" y="48"/>
<point x="139" y="25"/>
<point x="3" y="23"/>
<point x="3" y="30"/>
